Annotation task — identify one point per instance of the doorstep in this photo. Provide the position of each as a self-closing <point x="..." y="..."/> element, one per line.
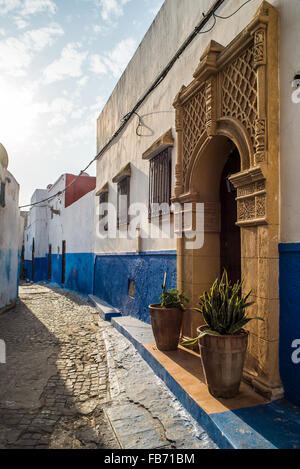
<point x="248" y="421"/>
<point x="105" y="310"/>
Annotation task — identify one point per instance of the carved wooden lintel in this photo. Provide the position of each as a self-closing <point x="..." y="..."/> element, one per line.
<point x="164" y="141"/>
<point x="126" y="171"/>
<point x="104" y="188"/>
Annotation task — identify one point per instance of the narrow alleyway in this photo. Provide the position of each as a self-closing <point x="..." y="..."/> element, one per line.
<point x="72" y="381"/>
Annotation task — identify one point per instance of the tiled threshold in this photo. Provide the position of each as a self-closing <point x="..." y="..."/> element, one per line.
<point x="246" y="422"/>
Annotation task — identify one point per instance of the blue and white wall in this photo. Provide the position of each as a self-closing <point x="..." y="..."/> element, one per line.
<point x="11" y="226"/>
<point x="36" y="229"/>
<point x="75" y="226"/>
<point x="116" y="261"/>
<point x="289" y="248"/>
<point x="51" y="224"/>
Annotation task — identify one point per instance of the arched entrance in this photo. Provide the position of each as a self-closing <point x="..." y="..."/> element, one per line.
<point x="232" y="106"/>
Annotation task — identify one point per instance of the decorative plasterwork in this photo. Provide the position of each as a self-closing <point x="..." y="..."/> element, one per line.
<point x="104" y="188"/>
<point x="229" y="83"/>
<point x="251" y="197"/>
<point x="123" y="173"/>
<point x="163" y="142"/>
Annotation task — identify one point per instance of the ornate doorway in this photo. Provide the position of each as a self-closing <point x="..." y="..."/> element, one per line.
<point x="232" y="104"/>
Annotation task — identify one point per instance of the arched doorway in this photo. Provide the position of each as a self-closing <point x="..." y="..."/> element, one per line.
<point x="230" y="236"/>
<point x="232" y="103"/>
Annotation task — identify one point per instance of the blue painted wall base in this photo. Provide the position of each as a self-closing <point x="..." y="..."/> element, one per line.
<point x="289" y="323"/>
<point x="79" y="271"/>
<point x="113" y="272"/>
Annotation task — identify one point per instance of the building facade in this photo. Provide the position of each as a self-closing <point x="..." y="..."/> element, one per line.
<point x="59" y="238"/>
<point x="219" y="129"/>
<point x="11" y="234"/>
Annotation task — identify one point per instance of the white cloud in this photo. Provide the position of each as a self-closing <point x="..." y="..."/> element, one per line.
<point x="17" y="52"/>
<point x="117" y="59"/>
<point x="97" y="107"/>
<point x="97" y="28"/>
<point x="68" y="65"/>
<point x="83" y="81"/>
<point x="114" y="61"/>
<point x="111" y="8"/>
<point x="27" y="7"/>
<point x="97" y="65"/>
<point x="20" y="22"/>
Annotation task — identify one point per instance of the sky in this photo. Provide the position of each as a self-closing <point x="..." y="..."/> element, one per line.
<point x="59" y="62"/>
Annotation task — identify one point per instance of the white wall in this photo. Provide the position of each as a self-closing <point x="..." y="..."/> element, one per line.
<point x="37" y="226"/>
<point x="78" y="225"/>
<point x="175" y="21"/>
<point x="75" y="224"/>
<point x="10" y="240"/>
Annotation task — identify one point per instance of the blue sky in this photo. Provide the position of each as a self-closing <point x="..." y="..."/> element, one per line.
<point x="59" y="62"/>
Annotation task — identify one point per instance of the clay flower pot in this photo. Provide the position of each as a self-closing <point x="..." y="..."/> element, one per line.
<point x="223" y="359"/>
<point x="166" y="326"/>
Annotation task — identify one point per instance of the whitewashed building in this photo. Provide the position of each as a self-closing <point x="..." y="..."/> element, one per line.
<point x="11" y="233"/>
<point x="59" y="238"/>
<point x="207" y="111"/>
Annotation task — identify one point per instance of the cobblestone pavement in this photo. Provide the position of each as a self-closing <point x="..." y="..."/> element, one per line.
<point x="72" y="381"/>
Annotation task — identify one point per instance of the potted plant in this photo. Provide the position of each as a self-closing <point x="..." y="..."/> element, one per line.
<point x="166" y="318"/>
<point x="222" y="340"/>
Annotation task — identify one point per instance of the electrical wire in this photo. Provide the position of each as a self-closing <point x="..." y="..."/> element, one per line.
<point x="232" y="14"/>
<point x="198" y="30"/>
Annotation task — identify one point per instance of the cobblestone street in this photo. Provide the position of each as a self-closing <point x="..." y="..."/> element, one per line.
<point x="72" y="381"/>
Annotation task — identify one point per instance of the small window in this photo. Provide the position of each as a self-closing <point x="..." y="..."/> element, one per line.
<point x="131" y="288"/>
<point x="123" y="200"/>
<point x="160" y="182"/>
<point x="2" y="194"/>
<point x="103" y="198"/>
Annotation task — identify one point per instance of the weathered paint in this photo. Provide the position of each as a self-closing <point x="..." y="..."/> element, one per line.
<point x="113" y="272"/>
<point x="289" y="348"/>
<point x="9" y="276"/>
<point x="11" y="233"/>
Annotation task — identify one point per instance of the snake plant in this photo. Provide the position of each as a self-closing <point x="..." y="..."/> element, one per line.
<point x="223" y="308"/>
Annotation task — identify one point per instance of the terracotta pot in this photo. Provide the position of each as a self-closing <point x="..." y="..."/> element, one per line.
<point x="166" y="326"/>
<point x="223" y="359"/>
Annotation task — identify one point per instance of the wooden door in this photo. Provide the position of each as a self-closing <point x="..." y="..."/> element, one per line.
<point x="63" y="261"/>
<point x="230" y="238"/>
<point x="50" y="263"/>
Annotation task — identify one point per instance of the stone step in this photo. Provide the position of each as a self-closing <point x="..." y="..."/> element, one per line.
<point x="105" y="310"/>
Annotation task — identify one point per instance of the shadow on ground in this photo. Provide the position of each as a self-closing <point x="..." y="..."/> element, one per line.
<point x="52" y="384"/>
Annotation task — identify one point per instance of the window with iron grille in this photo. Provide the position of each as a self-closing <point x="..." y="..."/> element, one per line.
<point x="2" y="194"/>
<point x="160" y="183"/>
<point x="103" y="199"/>
<point x="123" y="200"/>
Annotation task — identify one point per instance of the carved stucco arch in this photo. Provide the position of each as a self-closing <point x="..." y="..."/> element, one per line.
<point x="234" y="94"/>
<point x="226" y="127"/>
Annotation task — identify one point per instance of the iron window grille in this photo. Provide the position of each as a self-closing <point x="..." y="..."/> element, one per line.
<point x="123" y="201"/>
<point x="103" y="199"/>
<point x="160" y="183"/>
